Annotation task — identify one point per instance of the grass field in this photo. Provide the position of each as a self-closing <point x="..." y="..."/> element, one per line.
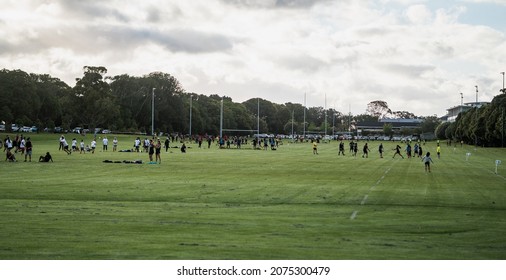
<point x="249" y="204"/>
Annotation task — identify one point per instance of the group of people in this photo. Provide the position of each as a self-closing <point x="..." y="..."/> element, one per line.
<point x="418" y="151"/>
<point x="21" y="145"/>
<point x="83" y="148"/>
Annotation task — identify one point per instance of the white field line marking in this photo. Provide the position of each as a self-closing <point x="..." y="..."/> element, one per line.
<point x="353" y="215"/>
<point x="364" y="200"/>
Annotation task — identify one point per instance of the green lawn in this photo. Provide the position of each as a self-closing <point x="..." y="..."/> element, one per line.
<point x="249" y="204"/>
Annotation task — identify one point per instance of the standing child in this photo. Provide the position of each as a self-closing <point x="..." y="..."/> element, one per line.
<point x="82" y="147"/>
<point x="315" y="148"/>
<point x="438" y="151"/>
<point x="93" y="145"/>
<point x="427" y="160"/>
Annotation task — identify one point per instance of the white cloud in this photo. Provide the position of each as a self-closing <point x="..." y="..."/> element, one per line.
<point x="354" y="52"/>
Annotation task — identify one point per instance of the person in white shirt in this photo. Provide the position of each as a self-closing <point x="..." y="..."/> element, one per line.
<point x="93" y="145"/>
<point x="65" y="146"/>
<point x="105" y="142"/>
<point x="74" y="145"/>
<point x="114" y="144"/>
<point x="82" y="147"/>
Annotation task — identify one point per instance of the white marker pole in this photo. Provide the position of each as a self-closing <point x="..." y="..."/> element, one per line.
<point x="497" y="163"/>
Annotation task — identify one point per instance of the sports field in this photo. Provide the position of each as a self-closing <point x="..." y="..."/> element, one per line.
<point x="253" y="204"/>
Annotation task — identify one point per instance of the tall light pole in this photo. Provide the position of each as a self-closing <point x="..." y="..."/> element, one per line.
<point x="502" y="115"/>
<point x="304" y="124"/>
<point x="221" y="119"/>
<point x="190" y="117"/>
<point x="153" y="112"/>
<point x="502" y="90"/>
<point x="292" y="125"/>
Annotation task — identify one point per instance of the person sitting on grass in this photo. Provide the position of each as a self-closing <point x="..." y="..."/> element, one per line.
<point x="46" y="158"/>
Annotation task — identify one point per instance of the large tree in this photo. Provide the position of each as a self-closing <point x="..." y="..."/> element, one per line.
<point x="94" y="97"/>
<point x="378" y="109"/>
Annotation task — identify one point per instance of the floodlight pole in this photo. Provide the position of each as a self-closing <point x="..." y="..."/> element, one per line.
<point x="153" y="112"/>
<point x="502" y="115"/>
<point x="221" y="119"/>
<point x="258" y="116"/>
<point x="292" y="125"/>
<point x="304" y="124"/>
<point x="190" y="117"/>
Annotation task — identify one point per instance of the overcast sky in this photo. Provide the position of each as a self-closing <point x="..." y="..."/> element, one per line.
<point x="415" y="55"/>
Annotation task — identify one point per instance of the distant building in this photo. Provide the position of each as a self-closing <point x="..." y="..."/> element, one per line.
<point x="453" y="112"/>
<point x="397" y="125"/>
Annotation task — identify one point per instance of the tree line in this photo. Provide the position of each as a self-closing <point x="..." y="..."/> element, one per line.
<point x="123" y="103"/>
<point x="482" y="126"/>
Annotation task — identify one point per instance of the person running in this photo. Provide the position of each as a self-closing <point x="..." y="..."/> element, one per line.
<point x="380" y="150"/>
<point x="398" y="151"/>
<point x="341" y="148"/>
<point x="66" y="146"/>
<point x="46" y="158"/>
<point x="420" y="152"/>
<point x="438" y="151"/>
<point x="365" y="151"/>
<point x="29" y="148"/>
<point x="355" y="149"/>
<point x="427" y="160"/>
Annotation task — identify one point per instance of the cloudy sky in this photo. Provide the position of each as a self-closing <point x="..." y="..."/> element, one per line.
<point x="415" y="55"/>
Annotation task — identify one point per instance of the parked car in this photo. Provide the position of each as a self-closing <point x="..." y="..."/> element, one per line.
<point x="34" y="129"/>
<point x="25" y="129"/>
<point x="2" y="127"/>
<point x="14" y="127"/>
<point x="105" y="131"/>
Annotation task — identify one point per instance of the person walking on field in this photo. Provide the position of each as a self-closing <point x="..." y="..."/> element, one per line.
<point x="315" y="148"/>
<point x="438" y="151"/>
<point x="365" y="151"/>
<point x="341" y="148"/>
<point x="427" y="160"/>
<point x="380" y="149"/>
